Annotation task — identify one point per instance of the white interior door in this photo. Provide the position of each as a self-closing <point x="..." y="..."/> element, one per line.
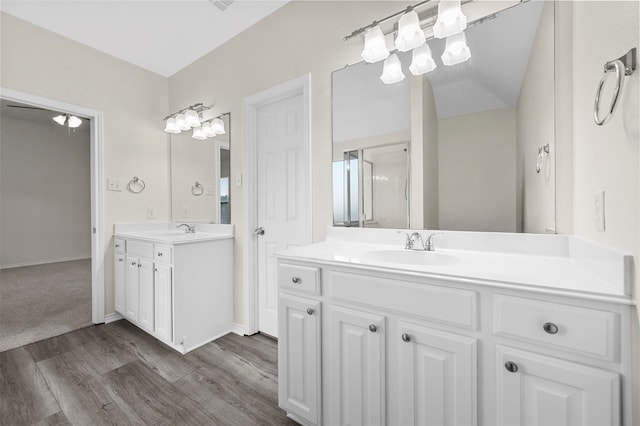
<point x="282" y="174"/>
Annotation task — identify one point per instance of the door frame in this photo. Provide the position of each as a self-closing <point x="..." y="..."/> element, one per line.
<point x="300" y="85"/>
<point x="97" y="179"/>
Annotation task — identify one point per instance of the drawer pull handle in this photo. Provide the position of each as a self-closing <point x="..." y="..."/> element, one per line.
<point x="373" y="328"/>
<point x="550" y="328"/>
<point x="159" y="254"/>
<point x="296" y="280"/>
<point x="117" y="245"/>
<point x="511" y="366"/>
<point x="309" y="311"/>
<point x="134" y="263"/>
<point x="406" y="338"/>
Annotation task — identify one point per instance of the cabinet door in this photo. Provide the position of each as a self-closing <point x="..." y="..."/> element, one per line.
<point x="299" y="357"/>
<point x="357" y="376"/>
<point x="132" y="289"/>
<point x="120" y="274"/>
<point x="537" y="390"/>
<point x="437" y="375"/>
<point x="163" y="303"/>
<point x="146" y="295"/>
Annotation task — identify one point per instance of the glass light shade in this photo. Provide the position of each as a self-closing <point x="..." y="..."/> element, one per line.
<point x="171" y="127"/>
<point x="392" y="71"/>
<point x="422" y="60"/>
<point x="181" y="122"/>
<point x="450" y="20"/>
<point x="208" y="130"/>
<point x="192" y="119"/>
<point x="74" y="121"/>
<point x="60" y="119"/>
<point x="375" y="46"/>
<point x="456" y="51"/>
<point x="198" y="134"/>
<point x="218" y="126"/>
<point x="410" y="35"/>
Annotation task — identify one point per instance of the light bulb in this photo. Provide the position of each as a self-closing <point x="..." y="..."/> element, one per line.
<point x="450" y="20"/>
<point x="456" y="50"/>
<point x="181" y="122"/>
<point x="171" y="126"/>
<point x="208" y="130"/>
<point x="74" y="122"/>
<point x="410" y="35"/>
<point x="60" y="119"/>
<point x="218" y="126"/>
<point x="198" y="134"/>
<point x="392" y="70"/>
<point x="422" y="60"/>
<point x="375" y="46"/>
<point x="192" y="119"/>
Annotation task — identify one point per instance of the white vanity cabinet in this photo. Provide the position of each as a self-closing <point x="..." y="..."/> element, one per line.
<point x="407" y="349"/>
<point x="182" y="294"/>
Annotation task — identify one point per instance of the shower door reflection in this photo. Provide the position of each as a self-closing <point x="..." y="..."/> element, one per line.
<point x="371" y="187"/>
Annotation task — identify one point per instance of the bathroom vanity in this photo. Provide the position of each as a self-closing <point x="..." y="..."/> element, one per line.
<point x="489" y="329"/>
<point x="177" y="286"/>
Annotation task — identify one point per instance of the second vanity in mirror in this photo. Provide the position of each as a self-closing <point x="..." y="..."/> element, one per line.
<point x="456" y="148"/>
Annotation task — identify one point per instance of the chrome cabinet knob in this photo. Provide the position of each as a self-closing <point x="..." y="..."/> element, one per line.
<point x="259" y="231"/>
<point x="406" y="338"/>
<point x="117" y="245"/>
<point x="309" y="311"/>
<point x="159" y="254"/>
<point x="120" y="260"/>
<point x="133" y="263"/>
<point x="511" y="366"/>
<point x="296" y="280"/>
<point x="550" y="328"/>
<point x="373" y="328"/>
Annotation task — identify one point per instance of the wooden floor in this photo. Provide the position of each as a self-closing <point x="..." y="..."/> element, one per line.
<point x="117" y="374"/>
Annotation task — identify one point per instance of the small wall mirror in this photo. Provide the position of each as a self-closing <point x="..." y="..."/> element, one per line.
<point x="200" y="177"/>
<point x="458" y="148"/>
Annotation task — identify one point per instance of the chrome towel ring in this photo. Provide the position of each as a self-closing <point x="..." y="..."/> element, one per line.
<point x="136" y="185"/>
<point x="623" y="66"/>
<point x="197" y="189"/>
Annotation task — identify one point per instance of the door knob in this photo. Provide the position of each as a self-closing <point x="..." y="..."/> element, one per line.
<point x="295" y="280"/>
<point x="373" y="328"/>
<point x="259" y="231"/>
<point x="309" y="311"/>
<point x="406" y="337"/>
<point x="511" y="366"/>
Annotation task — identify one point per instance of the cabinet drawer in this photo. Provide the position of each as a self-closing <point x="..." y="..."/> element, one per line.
<point x="585" y="331"/>
<point x="138" y="248"/>
<point x="119" y="245"/>
<point x="433" y="302"/>
<point x="162" y="253"/>
<point x="302" y="278"/>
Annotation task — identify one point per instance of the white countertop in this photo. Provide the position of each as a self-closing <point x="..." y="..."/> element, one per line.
<point x="167" y="233"/>
<point x="579" y="269"/>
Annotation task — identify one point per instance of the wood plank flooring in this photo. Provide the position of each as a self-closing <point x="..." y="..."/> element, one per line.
<point x="116" y="374"/>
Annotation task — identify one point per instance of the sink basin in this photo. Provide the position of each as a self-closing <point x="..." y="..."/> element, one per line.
<point x="410" y="257"/>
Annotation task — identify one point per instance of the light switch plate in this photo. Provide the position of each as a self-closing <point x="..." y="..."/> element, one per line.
<point x="185" y="212"/>
<point x="599" y="211"/>
<point x="114" y="184"/>
<point x="151" y="213"/>
<point x="239" y="179"/>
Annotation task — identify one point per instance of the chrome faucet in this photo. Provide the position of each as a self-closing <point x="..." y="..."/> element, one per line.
<point x="412" y="239"/>
<point x="190" y="229"/>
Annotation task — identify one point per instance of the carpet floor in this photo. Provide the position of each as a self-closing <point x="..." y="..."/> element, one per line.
<point x="42" y="301"/>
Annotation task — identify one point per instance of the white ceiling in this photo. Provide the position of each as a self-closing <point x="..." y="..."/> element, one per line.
<point x="162" y="36"/>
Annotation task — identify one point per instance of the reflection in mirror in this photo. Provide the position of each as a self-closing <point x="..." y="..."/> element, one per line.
<point x="472" y="132"/>
<point x="200" y="177"/>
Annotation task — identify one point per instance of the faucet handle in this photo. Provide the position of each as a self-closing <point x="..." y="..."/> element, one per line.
<point x="429" y="246"/>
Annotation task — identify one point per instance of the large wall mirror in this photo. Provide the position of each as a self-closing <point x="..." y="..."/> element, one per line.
<point x="200" y="177"/>
<point x="464" y="147"/>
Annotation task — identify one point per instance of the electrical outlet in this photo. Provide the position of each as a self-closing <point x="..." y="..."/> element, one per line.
<point x="114" y="184"/>
<point x="599" y="211"/>
<point x="151" y="213"/>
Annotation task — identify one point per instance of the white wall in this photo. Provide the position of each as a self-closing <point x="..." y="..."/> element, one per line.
<point x="45" y="193"/>
<point x="133" y="102"/>
<point x="607" y="157"/>
<point x="477" y="171"/>
<point x="536" y="128"/>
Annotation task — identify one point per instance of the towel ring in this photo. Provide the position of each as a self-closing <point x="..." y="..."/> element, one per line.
<point x="197" y="189"/>
<point x="136" y="185"/>
<point x="623" y="66"/>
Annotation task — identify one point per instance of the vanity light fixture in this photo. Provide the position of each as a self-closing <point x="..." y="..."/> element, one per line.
<point x="392" y="71"/>
<point x="456" y="50"/>
<point x="375" y="45"/>
<point x="70" y="120"/>
<point x="171" y="126"/>
<point x="217" y="125"/>
<point x="184" y="119"/>
<point x="181" y="122"/>
<point x="410" y="35"/>
<point x="450" y="20"/>
<point x="422" y="61"/>
<point x="192" y="119"/>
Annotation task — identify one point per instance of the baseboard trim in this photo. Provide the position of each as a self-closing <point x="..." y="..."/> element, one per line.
<point x="44" y="262"/>
<point x="237" y="329"/>
<point x="112" y="317"/>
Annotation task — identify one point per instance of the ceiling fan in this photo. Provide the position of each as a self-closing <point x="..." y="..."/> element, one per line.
<point x="70" y="120"/>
